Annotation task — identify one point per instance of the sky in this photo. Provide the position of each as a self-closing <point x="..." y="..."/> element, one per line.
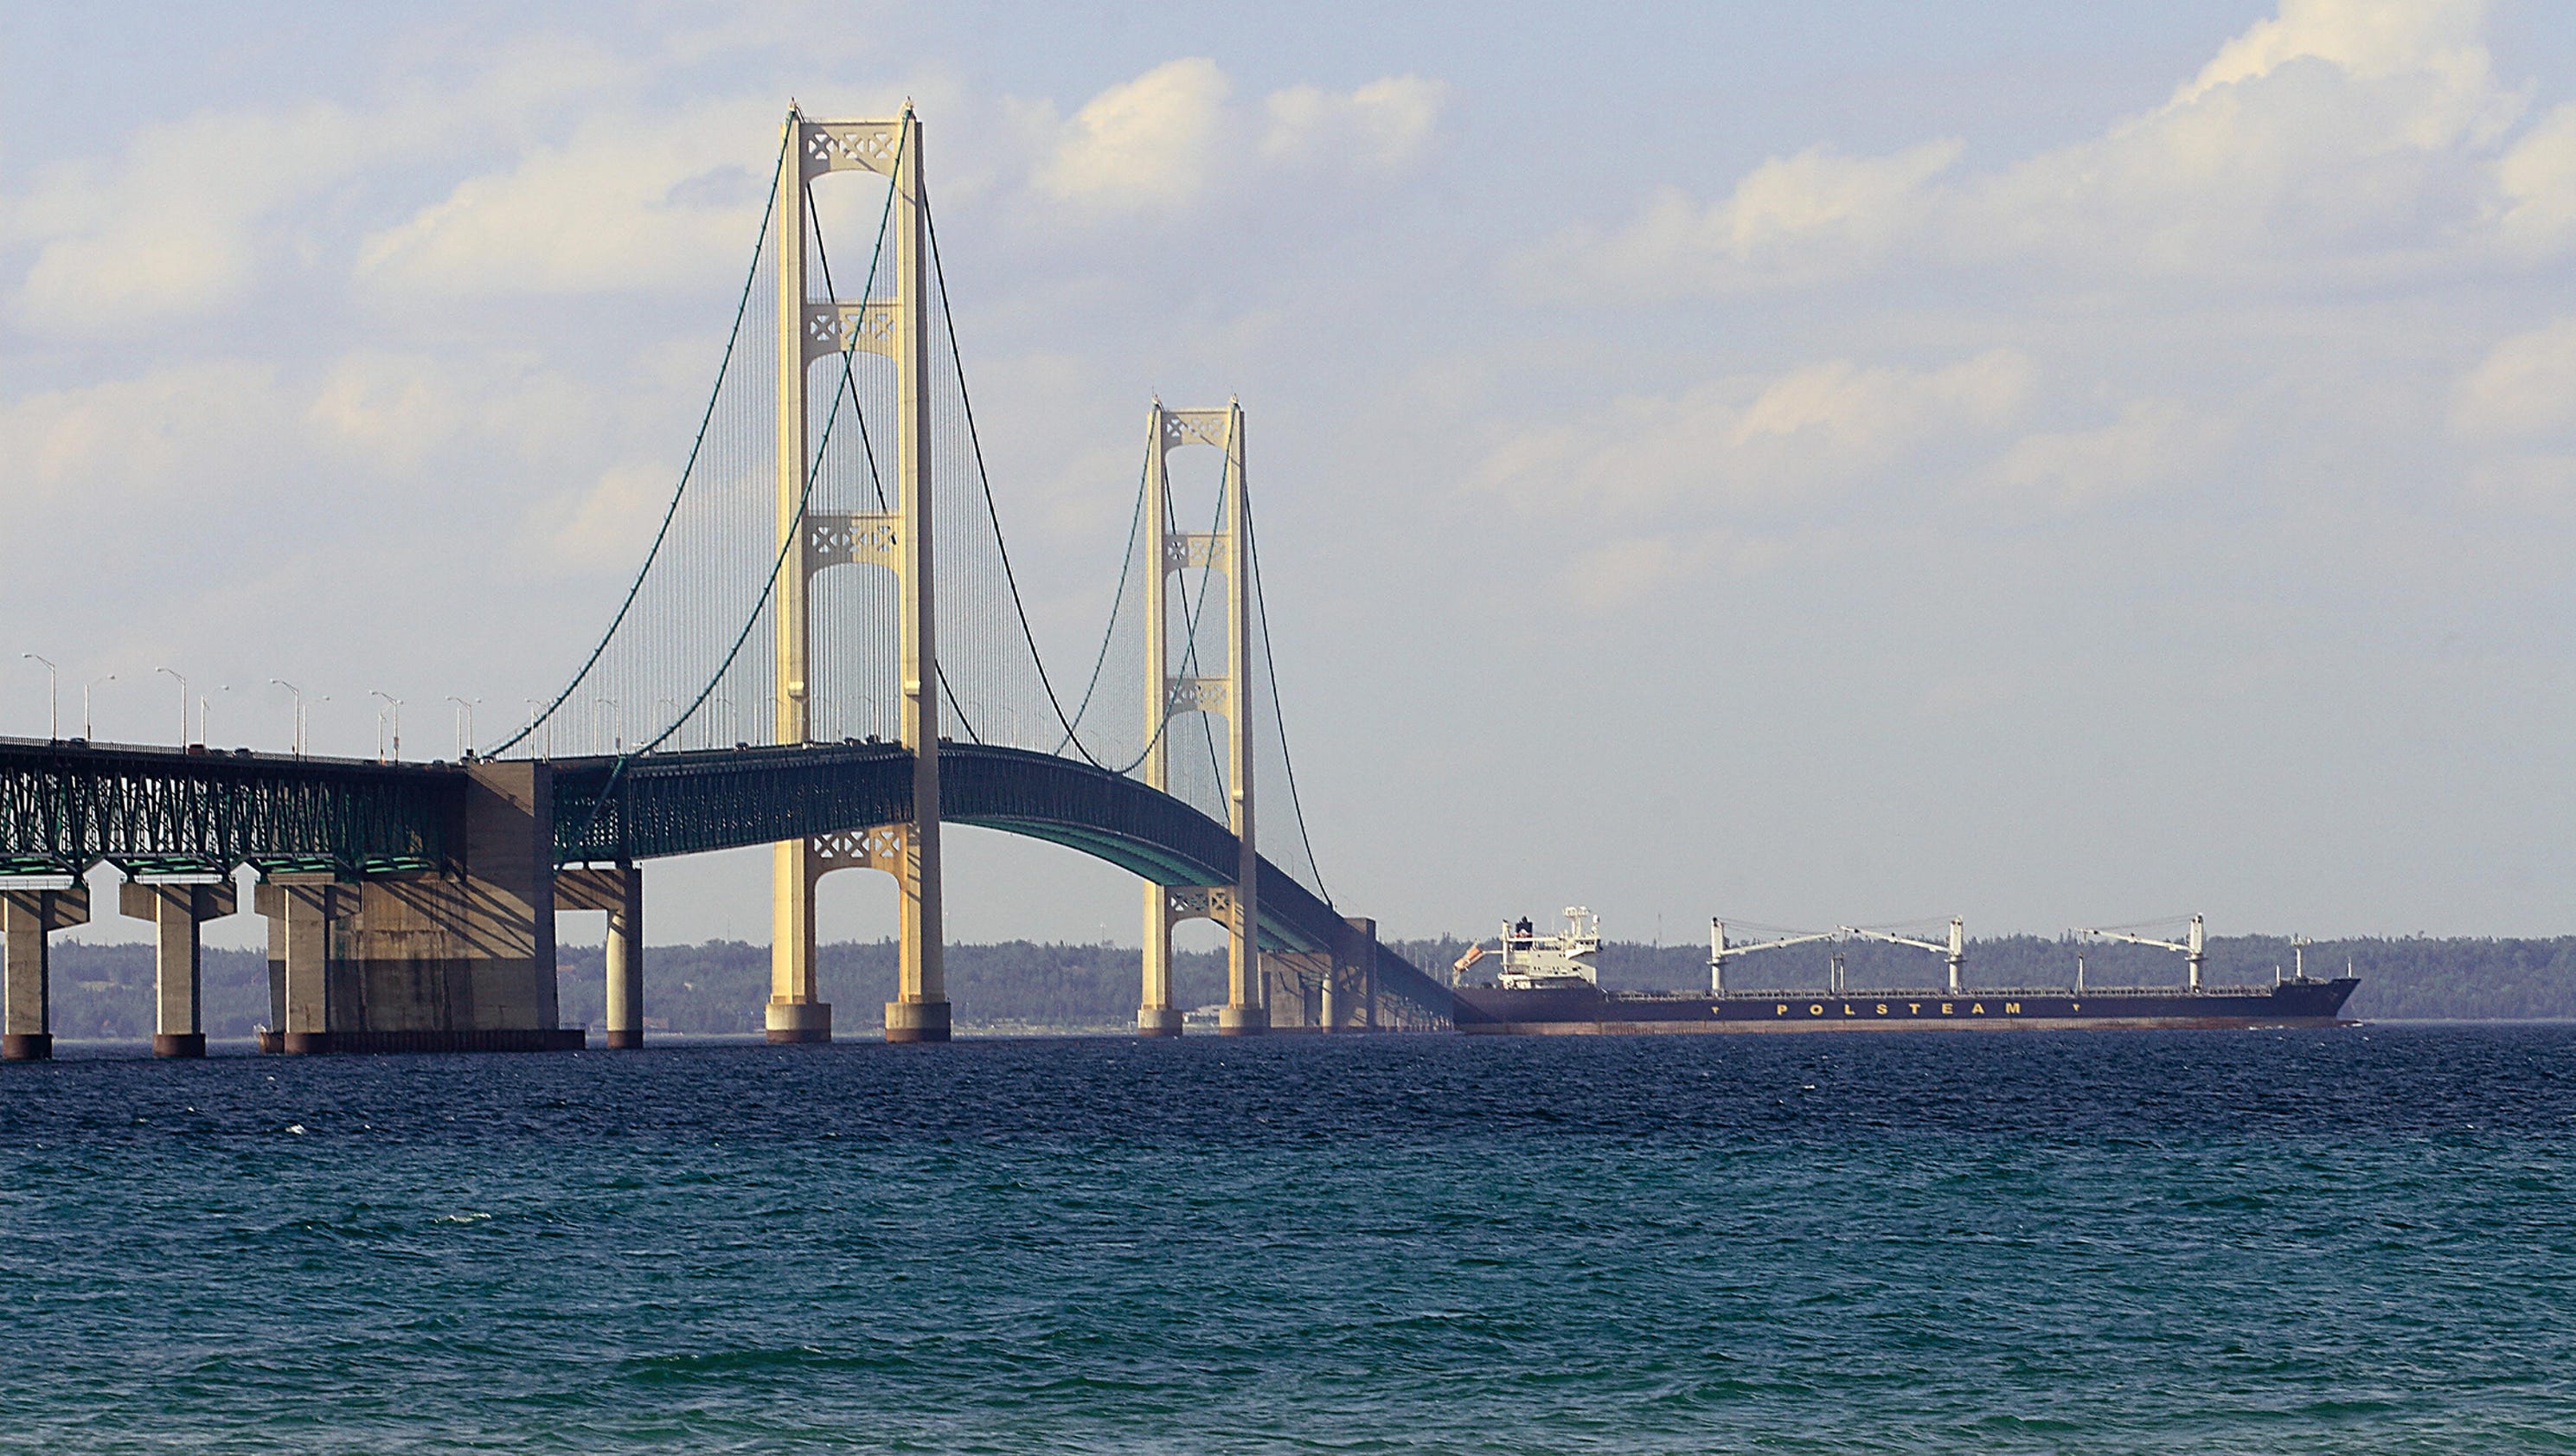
<point x="1847" y="463"/>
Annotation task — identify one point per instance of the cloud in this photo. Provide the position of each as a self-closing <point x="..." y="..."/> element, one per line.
<point x="2525" y="389"/>
<point x="1753" y="449"/>
<point x="1151" y="145"/>
<point x="2340" y="133"/>
<point x="2151" y="442"/>
<point x="605" y="528"/>
<point x="2369" y="39"/>
<point x="1791" y="218"/>
<point x="629" y="203"/>
<point x="1618" y="576"/>
<point x="1383" y="126"/>
<point x="189" y="216"/>
<point x="177" y="429"/>
<point x="2536" y="186"/>
<point x="174" y="227"/>
<point x="1144" y="144"/>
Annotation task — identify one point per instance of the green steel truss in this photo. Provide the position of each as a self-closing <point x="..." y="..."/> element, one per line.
<point x="65" y="807"/>
<point x="691" y="803"/>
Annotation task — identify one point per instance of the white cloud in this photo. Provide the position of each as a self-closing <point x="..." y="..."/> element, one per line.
<point x="174" y="227"/>
<point x="1383" y="126"/>
<point x="1172" y="138"/>
<point x="177" y="429"/>
<point x="2151" y="443"/>
<point x="2339" y="132"/>
<point x="1789" y="219"/>
<point x="186" y="219"/>
<point x="1758" y="448"/>
<point x="1143" y="144"/>
<point x="2369" y="40"/>
<point x="628" y="203"/>
<point x="2536" y="185"/>
<point x="2525" y="389"/>
<point x="606" y="527"/>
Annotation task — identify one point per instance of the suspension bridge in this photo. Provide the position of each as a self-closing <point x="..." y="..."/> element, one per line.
<point x="824" y="650"/>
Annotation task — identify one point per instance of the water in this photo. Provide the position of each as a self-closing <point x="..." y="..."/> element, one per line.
<point x="2101" y="1242"/>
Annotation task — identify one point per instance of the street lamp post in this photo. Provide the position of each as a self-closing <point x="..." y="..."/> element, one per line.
<point x="464" y="726"/>
<point x="183" y="704"/>
<point x="295" y="717"/>
<point x="396" y="705"/>
<point x="53" y="695"/>
<point x="85" y="687"/>
<point x="205" y="718"/>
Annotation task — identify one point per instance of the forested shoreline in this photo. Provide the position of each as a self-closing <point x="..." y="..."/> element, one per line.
<point x="104" y="991"/>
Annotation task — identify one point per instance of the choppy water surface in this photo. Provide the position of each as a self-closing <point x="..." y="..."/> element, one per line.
<point x="2329" y="1242"/>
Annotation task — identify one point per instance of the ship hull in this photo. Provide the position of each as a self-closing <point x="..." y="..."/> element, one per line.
<point x="1586" y="1010"/>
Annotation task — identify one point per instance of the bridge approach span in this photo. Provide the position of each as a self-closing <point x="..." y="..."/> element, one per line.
<point x="68" y="806"/>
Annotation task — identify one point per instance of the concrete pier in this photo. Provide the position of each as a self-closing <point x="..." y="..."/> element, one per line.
<point x="1155" y="1013"/>
<point x="458" y="960"/>
<point x="177" y="912"/>
<point x="300" y="911"/>
<point x="27" y="918"/>
<point x="623" y="1001"/>
<point x="619" y="892"/>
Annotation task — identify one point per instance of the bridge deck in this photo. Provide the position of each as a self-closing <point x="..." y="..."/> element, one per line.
<point x="66" y="806"/>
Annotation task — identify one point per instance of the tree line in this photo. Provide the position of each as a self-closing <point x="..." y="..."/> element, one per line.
<point x="105" y="991"/>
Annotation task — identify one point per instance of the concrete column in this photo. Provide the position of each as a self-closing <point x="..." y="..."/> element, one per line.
<point x="27" y="917"/>
<point x="919" y="1011"/>
<point x="796" y="1011"/>
<point x="177" y="913"/>
<point x="1155" y="1013"/>
<point x="625" y="992"/>
<point x="793" y="1013"/>
<point x="1361" y="955"/>
<point x="1244" y="1013"/>
<point x="300" y="909"/>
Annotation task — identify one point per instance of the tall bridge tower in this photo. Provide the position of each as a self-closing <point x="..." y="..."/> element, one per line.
<point x="899" y="540"/>
<point x="1169" y="695"/>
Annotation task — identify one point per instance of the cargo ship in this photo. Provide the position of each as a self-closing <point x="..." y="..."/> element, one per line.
<point x="1550" y="984"/>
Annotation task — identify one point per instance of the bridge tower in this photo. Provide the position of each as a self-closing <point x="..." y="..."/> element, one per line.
<point x="1168" y="695"/>
<point x="899" y="540"/>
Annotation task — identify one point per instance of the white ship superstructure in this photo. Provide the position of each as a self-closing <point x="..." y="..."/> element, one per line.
<point x="1536" y="962"/>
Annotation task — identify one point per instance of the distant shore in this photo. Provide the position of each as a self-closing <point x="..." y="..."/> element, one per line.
<point x="716" y="988"/>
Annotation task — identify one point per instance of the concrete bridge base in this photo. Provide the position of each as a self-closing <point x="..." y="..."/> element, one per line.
<point x="916" y="1021"/>
<point x="1325" y="991"/>
<point x="381" y="1043"/>
<point x="459" y="961"/>
<point x="28" y="918"/>
<point x="792" y="1022"/>
<point x="178" y="913"/>
<point x="1158" y="1021"/>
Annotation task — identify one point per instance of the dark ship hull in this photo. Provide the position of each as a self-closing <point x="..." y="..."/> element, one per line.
<point x="1580" y="1010"/>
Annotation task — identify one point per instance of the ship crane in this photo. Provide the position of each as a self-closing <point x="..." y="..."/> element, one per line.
<point x="1956" y="950"/>
<point x="1719" y="950"/>
<point x="1458" y="968"/>
<point x="2189" y="945"/>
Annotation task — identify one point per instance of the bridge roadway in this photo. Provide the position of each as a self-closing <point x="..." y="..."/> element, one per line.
<point x="159" y="813"/>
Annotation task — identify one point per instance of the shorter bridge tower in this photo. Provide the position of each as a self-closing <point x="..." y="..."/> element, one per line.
<point x="1169" y="695"/>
